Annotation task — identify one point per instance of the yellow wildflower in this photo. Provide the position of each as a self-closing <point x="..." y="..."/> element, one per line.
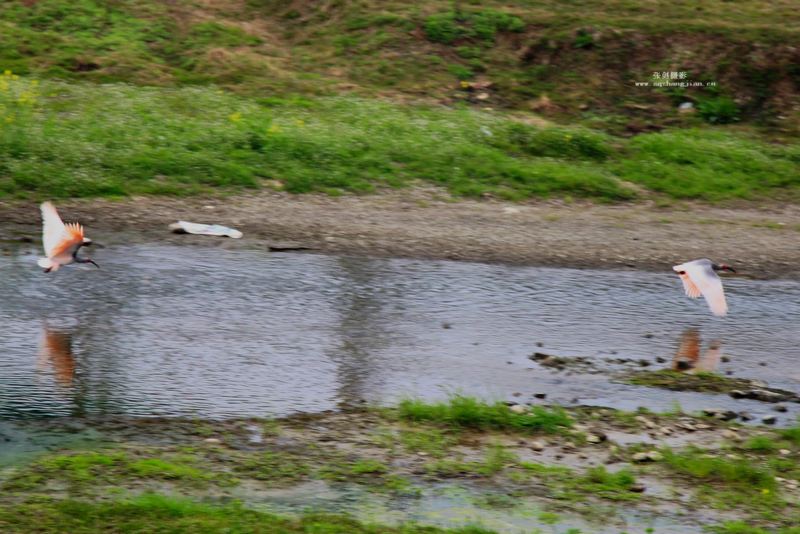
<point x="299" y="122"/>
<point x="274" y="129"/>
<point x="6" y="72"/>
<point x="235" y="117"/>
<point x="765" y="491"/>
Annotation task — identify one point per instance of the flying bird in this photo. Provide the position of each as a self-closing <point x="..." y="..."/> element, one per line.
<point x="699" y="277"/>
<point x="61" y="241"/>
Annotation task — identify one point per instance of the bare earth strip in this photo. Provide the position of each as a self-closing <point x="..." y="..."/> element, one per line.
<point x="762" y="242"/>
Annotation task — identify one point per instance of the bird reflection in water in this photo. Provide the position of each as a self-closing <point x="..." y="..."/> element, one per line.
<point x="55" y="356"/>
<point x="688" y="357"/>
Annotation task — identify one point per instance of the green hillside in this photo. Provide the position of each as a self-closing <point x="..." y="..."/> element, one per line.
<point x="513" y="99"/>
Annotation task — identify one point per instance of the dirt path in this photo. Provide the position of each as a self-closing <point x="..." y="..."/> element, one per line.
<point x="761" y="242"/>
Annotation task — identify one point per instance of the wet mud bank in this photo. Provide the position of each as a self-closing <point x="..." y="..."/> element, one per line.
<point x="508" y="468"/>
<point x="427" y="223"/>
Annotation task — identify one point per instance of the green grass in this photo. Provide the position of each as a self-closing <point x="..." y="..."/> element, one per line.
<point x="467" y="412"/>
<point x="175" y="515"/>
<point x="739" y="527"/>
<point x="64" y="140"/>
<point x="791" y="434"/>
<point x="274" y="466"/>
<point x="82" y="470"/>
<point x="761" y="444"/>
<point x="742" y="473"/>
<point x="708" y="165"/>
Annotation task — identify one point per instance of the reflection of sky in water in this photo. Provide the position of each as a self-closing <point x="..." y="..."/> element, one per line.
<point x="193" y="331"/>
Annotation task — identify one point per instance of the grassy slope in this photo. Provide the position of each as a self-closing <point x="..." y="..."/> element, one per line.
<point x="63" y="139"/>
<point x="577" y="52"/>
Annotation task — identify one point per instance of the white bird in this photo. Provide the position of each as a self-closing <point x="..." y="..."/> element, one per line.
<point x="61" y="241"/>
<point x="699" y="277"/>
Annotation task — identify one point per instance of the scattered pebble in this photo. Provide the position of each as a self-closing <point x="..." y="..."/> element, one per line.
<point x="730" y="434"/>
<point x="638" y="487"/>
<point x="746" y="416"/>
<point x="592" y="438"/>
<point x="650" y="456"/>
<point x="784" y="452"/>
<point x="770" y="420"/>
<point x="518" y="408"/>
<point x="213" y="441"/>
<point x="665" y="430"/>
<point x="537" y="445"/>
<point x="780" y="408"/>
<point x="540" y="395"/>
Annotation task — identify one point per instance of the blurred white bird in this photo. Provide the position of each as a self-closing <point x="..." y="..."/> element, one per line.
<point x="699" y="277"/>
<point x="61" y="241"/>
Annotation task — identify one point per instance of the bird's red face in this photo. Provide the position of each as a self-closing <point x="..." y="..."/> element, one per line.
<point x="724" y="267"/>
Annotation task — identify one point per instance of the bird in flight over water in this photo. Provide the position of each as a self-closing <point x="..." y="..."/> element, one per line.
<point x="699" y="277"/>
<point x="61" y="241"/>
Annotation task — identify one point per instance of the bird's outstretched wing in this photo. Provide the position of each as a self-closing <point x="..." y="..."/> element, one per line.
<point x="689" y="287"/>
<point x="57" y="236"/>
<point x="703" y="277"/>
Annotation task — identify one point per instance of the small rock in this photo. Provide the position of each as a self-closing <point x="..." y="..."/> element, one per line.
<point x="518" y="408"/>
<point x="702" y="426"/>
<point x="637" y="487"/>
<point x="686" y="107"/>
<point x="516" y="394"/>
<point x="539" y="344"/>
<point x="537" y="445"/>
<point x="730" y="434"/>
<point x="765" y="395"/>
<point x="568" y="446"/>
<point x="540" y="395"/>
<point x="213" y="441"/>
<point x="784" y="452"/>
<point x="592" y="438"/>
<point x="689" y="426"/>
<point x="644" y="363"/>
<point x="745" y="416"/>
<point x="725" y="359"/>
<point x="447" y="326"/>
<point x="780" y="408"/>
<point x="770" y="420"/>
<point x="649" y="336"/>
<point x="659" y="359"/>
<point x="737" y="394"/>
<point x="538" y="356"/>
<point x="650" y="456"/>
<point x="666" y="430"/>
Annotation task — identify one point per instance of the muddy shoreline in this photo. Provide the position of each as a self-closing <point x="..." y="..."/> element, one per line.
<point x="605" y="470"/>
<point x="426" y="223"/>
